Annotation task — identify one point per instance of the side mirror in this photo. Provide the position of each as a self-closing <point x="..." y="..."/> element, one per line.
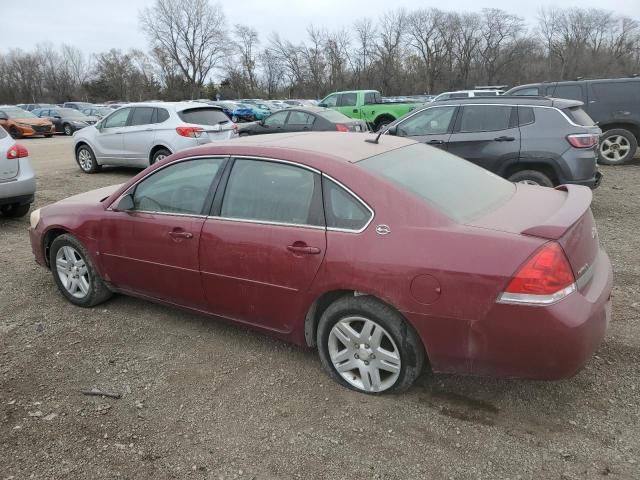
<point x="125" y="204"/>
<point x="392" y="130"/>
<point x="323" y="105"/>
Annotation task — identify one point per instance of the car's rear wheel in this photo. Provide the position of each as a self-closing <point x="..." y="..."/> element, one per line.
<point x="87" y="160"/>
<point x="367" y="346"/>
<point x="74" y="274"/>
<point x="49" y="135"/>
<point x="15" y="210"/>
<point x="160" y="155"/>
<point x="67" y="129"/>
<point x="616" y="147"/>
<point x="381" y="123"/>
<point x="531" y="177"/>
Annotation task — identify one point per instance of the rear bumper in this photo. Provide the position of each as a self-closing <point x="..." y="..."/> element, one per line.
<point x="20" y="189"/>
<point x="592" y="183"/>
<point x="20" y="200"/>
<point x="545" y="343"/>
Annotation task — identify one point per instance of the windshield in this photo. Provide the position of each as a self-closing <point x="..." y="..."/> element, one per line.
<point x="457" y="188"/>
<point x="15" y="112"/>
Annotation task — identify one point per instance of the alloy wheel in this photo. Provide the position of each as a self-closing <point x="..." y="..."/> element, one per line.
<point x="84" y="159"/>
<point x="364" y="354"/>
<point x="529" y="182"/>
<point x="615" y="148"/>
<point x="73" y="272"/>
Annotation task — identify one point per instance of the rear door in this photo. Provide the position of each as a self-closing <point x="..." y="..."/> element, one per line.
<point x="487" y="135"/>
<point x="264" y="244"/>
<point x="299" y="122"/>
<point x="109" y="139"/>
<point x="8" y="168"/>
<point x="432" y="126"/>
<point x="138" y="135"/>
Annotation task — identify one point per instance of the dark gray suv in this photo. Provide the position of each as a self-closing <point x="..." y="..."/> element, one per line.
<point x="537" y="141"/>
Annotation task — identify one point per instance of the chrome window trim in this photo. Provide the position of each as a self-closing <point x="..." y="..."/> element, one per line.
<point x="195" y="157"/>
<point x="276" y="160"/>
<point x="359" y="199"/>
<point x="169" y="214"/>
<point x="266" y="222"/>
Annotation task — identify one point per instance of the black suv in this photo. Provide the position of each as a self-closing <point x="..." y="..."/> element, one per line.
<point x="538" y="141"/>
<point x="613" y="103"/>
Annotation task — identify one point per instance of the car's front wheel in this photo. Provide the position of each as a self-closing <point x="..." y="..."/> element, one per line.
<point x="74" y="274"/>
<point x="87" y="160"/>
<point x="67" y="129"/>
<point x="367" y="346"/>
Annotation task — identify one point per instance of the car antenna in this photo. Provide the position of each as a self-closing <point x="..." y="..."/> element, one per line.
<point x="369" y="140"/>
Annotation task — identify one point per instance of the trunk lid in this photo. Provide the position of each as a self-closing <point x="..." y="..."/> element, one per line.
<point x="562" y="214"/>
<point x="9" y="169"/>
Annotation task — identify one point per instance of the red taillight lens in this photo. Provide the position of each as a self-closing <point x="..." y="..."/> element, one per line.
<point x="17" y="151"/>
<point x="583" y="140"/>
<point x="547" y="272"/>
<point x="235" y="127"/>
<point x="193" y="132"/>
<point x="341" y="128"/>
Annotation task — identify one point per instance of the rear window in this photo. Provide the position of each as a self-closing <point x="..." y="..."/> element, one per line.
<point x="616" y="93"/>
<point x="335" y="116"/>
<point x="485" y="94"/>
<point x="579" y="116"/>
<point x="457" y="188"/>
<point x="203" y="116"/>
<point x="3" y="133"/>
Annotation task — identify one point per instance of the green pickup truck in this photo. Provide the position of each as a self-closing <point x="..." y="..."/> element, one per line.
<point x="366" y="105"/>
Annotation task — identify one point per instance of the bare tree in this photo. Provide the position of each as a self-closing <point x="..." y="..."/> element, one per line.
<point x="246" y="42"/>
<point x="500" y="47"/>
<point x="192" y="33"/>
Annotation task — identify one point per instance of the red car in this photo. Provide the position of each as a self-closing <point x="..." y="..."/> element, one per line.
<point x="383" y="255"/>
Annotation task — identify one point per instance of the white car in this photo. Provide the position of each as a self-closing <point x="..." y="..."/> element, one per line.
<point x="17" y="181"/>
<point x="140" y="134"/>
<point x="467" y="94"/>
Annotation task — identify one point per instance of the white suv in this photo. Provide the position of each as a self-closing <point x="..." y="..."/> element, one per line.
<point x="140" y="134"/>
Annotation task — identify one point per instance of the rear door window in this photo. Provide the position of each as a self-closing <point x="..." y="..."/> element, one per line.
<point x="571" y="92"/>
<point x="203" y="116"/>
<point x="342" y="210"/>
<point x="300" y="118"/>
<point x="616" y="93"/>
<point x="141" y="116"/>
<point x="527" y="92"/>
<point x="273" y="192"/>
<point x="372" y="98"/>
<point x="485" y="118"/>
<point x="161" y="115"/>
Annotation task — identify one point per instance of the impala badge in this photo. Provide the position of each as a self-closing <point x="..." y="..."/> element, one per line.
<point x="383" y="229"/>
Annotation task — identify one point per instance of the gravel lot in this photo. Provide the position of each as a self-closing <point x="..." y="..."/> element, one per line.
<point x="202" y="399"/>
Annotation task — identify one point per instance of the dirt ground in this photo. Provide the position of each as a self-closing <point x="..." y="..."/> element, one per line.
<point x="205" y="400"/>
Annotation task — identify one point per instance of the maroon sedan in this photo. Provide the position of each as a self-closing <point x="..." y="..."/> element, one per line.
<point x="384" y="256"/>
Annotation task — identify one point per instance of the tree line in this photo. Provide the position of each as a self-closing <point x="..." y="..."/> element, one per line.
<point x="194" y="53"/>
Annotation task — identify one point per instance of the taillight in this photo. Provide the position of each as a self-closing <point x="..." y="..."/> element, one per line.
<point x="583" y="140"/>
<point x="545" y="278"/>
<point x="235" y="127"/>
<point x="341" y="128"/>
<point x="17" y="151"/>
<point x="194" y="132"/>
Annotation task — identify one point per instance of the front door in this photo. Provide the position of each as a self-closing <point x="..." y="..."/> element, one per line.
<point x="138" y="135"/>
<point x="487" y="135"/>
<point x="109" y="139"/>
<point x="432" y="126"/>
<point x="153" y="248"/>
<point x="262" y="248"/>
<point x="347" y="104"/>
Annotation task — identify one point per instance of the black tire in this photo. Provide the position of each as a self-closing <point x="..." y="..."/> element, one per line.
<point x="412" y="355"/>
<point x="163" y="152"/>
<point x="606" y="154"/>
<point x="531" y="177"/>
<point x="49" y="135"/>
<point x="15" y="210"/>
<point x="13" y="131"/>
<point x="86" y="160"/>
<point x="67" y="129"/>
<point x="381" y="123"/>
<point x="97" y="290"/>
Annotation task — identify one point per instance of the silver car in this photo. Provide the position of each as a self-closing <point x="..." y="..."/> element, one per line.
<point x="17" y="181"/>
<point x="140" y="134"/>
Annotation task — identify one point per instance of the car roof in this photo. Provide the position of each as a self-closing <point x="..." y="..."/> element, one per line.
<point x="512" y="100"/>
<point x="472" y="91"/>
<point x="348" y="147"/>
<point x="177" y="106"/>
<point x="309" y="109"/>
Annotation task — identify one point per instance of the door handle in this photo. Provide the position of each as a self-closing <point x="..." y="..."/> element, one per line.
<point x="303" y="249"/>
<point x="355" y="110"/>
<point x="435" y="142"/>
<point x="504" y="139"/>
<point x="148" y="129"/>
<point x="180" y="234"/>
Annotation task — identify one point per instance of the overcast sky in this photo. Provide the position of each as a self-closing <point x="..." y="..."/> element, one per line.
<point x="99" y="25"/>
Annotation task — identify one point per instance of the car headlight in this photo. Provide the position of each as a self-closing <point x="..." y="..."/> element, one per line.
<point x="25" y="125"/>
<point x="34" y="219"/>
<point x="79" y="124"/>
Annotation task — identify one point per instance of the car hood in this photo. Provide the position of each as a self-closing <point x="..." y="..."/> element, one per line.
<point x="90" y="197"/>
<point x="33" y="121"/>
